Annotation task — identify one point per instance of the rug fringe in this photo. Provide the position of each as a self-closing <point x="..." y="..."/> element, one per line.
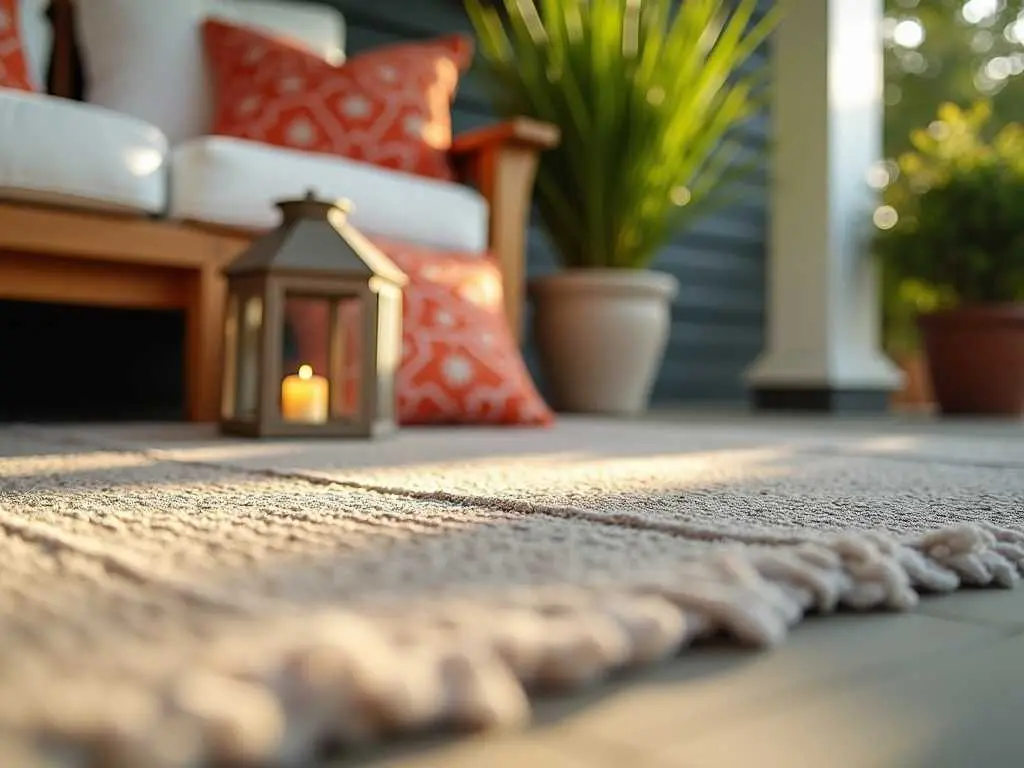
<point x="278" y="696"/>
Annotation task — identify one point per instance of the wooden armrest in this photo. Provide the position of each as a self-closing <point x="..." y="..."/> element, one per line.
<point x="501" y="161"/>
<point x="520" y="131"/>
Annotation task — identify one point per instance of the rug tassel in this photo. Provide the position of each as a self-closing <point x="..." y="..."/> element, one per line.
<point x="353" y="679"/>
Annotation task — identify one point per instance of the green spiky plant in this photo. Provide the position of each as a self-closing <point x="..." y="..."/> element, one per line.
<point x="647" y="94"/>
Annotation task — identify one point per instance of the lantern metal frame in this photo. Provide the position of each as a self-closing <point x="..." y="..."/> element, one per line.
<point x="339" y="265"/>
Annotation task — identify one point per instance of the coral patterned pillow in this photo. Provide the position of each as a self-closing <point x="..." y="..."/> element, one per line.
<point x="390" y="106"/>
<point x="460" y="364"/>
<point x="13" y="66"/>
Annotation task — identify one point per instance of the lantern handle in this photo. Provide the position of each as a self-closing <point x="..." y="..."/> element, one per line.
<point x="311" y="205"/>
<point x="346" y="205"/>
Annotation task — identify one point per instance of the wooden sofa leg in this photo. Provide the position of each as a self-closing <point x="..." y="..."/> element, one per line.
<point x="203" y="342"/>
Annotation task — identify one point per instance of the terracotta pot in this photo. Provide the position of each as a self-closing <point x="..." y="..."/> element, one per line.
<point x="976" y="359"/>
<point x="601" y="334"/>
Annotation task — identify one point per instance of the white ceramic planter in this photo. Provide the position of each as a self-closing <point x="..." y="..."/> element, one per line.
<point x="601" y="334"/>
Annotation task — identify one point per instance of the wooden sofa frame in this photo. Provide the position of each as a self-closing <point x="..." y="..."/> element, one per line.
<point x="70" y="256"/>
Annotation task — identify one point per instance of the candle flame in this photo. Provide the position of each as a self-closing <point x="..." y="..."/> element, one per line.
<point x="305" y="372"/>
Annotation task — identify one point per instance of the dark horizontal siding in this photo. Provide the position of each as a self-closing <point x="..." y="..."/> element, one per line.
<point x="718" y="316"/>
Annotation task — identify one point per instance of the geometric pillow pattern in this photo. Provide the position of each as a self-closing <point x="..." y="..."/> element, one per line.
<point x="13" y="65"/>
<point x="390" y="106"/>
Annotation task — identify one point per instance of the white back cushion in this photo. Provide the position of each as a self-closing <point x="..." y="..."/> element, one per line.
<point x="319" y="27"/>
<point x="37" y="38"/>
<point x="145" y="57"/>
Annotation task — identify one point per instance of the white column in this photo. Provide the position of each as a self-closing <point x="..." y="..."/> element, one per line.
<point x="823" y="295"/>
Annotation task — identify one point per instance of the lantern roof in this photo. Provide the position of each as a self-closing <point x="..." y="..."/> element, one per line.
<point x="315" y="236"/>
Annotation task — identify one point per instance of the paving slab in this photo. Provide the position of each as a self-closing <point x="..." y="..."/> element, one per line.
<point x="650" y="719"/>
<point x="522" y="751"/>
<point x="716" y="685"/>
<point x="958" y="708"/>
<point x="997" y="607"/>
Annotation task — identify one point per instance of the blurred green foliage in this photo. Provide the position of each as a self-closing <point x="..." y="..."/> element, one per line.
<point x="647" y="96"/>
<point x="951" y="231"/>
<point x="963" y="51"/>
<point x="958" y="60"/>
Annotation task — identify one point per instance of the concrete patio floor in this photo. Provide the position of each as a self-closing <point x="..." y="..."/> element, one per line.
<point x="939" y="688"/>
<point x="942" y="687"/>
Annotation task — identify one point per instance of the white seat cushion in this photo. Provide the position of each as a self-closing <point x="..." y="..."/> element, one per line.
<point x="235" y="182"/>
<point x="66" y="153"/>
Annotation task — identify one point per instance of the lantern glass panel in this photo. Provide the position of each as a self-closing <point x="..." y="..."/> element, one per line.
<point x="305" y="388"/>
<point x="231" y="324"/>
<point x="346" y="357"/>
<point x="247" y="361"/>
<point x="322" y="358"/>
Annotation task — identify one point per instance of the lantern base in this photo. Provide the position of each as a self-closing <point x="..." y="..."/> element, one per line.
<point x="330" y="429"/>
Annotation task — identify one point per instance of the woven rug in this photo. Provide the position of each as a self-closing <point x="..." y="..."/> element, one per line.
<point x="170" y="598"/>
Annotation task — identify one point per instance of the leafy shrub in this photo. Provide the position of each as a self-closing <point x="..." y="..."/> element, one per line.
<point x="951" y="230"/>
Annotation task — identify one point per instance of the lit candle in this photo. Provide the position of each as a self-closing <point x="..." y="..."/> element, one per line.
<point x="304" y="397"/>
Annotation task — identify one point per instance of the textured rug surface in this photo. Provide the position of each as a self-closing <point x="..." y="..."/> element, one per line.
<point x="170" y="598"/>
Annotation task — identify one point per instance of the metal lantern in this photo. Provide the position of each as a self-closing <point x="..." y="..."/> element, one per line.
<point x="313" y="333"/>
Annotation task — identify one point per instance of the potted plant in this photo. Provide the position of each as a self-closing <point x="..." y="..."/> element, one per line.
<point x="951" y="234"/>
<point x="646" y="94"/>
